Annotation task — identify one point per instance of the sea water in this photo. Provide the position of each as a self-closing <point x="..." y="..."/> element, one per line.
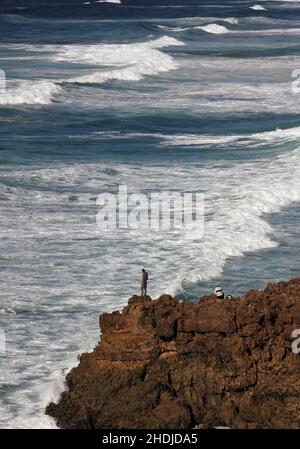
<point x="157" y="95"/>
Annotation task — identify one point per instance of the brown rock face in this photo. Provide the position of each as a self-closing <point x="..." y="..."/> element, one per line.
<point x="168" y="364"/>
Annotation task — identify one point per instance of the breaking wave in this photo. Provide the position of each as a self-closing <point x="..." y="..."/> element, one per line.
<point x="127" y="62"/>
<point x="257" y="8"/>
<point x="279" y="136"/>
<point x="213" y="28"/>
<point x="118" y="2"/>
<point x="27" y="92"/>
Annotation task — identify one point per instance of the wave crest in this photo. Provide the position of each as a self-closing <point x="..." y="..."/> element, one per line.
<point x="26" y="92"/>
<point x="213" y="28"/>
<point x="127" y="62"/>
<point x="132" y="61"/>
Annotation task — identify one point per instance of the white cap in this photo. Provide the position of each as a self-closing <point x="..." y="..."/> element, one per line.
<point x="218" y="292"/>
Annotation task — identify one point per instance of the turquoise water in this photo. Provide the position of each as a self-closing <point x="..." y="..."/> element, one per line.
<point x="159" y="96"/>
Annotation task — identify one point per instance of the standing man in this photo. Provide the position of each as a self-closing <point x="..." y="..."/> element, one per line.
<point x="144" y="283"/>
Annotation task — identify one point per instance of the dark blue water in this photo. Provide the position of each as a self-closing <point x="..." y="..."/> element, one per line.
<point x="166" y="95"/>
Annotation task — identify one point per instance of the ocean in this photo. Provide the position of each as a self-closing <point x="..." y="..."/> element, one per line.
<point x="157" y="95"/>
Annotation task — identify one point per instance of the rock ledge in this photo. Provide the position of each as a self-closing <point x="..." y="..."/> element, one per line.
<point x="168" y="364"/>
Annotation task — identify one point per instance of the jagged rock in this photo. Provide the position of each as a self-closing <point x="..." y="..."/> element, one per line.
<point x="168" y="364"/>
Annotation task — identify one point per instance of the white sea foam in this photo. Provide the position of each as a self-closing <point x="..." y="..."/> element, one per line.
<point x="131" y="62"/>
<point x="251" y="189"/>
<point x="173" y="29"/>
<point x="27" y="92"/>
<point x="231" y="20"/>
<point x="209" y="140"/>
<point x="271" y="31"/>
<point x="278" y="136"/>
<point x="230" y="234"/>
<point x="213" y="28"/>
<point x="127" y="62"/>
<point x="108" y="54"/>
<point x="118" y="2"/>
<point x="258" y="8"/>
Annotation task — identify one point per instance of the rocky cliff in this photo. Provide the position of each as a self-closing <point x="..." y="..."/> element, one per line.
<point x="168" y="364"/>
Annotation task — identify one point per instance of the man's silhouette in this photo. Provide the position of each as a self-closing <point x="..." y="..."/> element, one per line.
<point x="144" y="282"/>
